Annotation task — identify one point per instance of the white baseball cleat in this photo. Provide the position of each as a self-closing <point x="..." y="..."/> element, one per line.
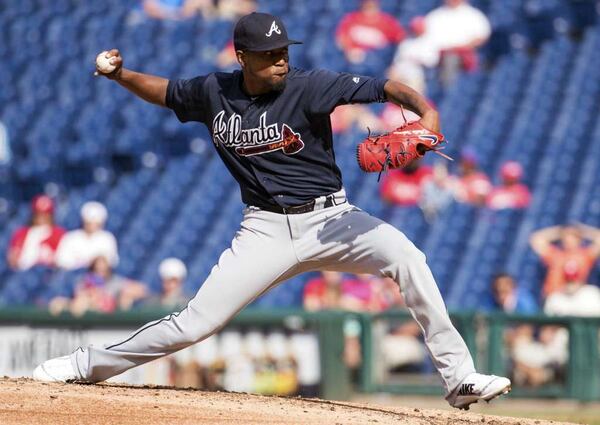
<point x="58" y="369"/>
<point x="477" y="387"/>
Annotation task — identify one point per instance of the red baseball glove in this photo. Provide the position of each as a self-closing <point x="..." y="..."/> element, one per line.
<point x="377" y="154"/>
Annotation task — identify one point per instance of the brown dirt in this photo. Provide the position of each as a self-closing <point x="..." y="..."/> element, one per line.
<point x="26" y="401"/>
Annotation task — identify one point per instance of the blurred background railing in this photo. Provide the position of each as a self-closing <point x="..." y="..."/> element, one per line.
<point x="319" y="343"/>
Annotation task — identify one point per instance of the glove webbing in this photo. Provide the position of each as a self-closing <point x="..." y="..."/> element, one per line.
<point x="386" y="163"/>
<point x="388" y="155"/>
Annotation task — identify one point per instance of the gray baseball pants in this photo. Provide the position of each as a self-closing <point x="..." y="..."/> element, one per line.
<point x="270" y="248"/>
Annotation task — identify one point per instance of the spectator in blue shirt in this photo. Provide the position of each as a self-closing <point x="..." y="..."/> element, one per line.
<point x="511" y="299"/>
<point x="528" y="355"/>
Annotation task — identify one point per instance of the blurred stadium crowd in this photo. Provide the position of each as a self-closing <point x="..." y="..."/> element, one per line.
<point x="511" y="225"/>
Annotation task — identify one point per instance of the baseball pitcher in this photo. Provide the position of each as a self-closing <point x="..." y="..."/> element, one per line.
<point x="270" y="125"/>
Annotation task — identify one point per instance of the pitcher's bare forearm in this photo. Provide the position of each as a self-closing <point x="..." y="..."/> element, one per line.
<point x="151" y="88"/>
<point x="402" y="95"/>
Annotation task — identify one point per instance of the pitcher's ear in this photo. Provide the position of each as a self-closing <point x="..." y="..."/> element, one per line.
<point x="240" y="58"/>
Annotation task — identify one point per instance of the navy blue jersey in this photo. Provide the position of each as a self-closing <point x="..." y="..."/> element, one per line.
<point x="278" y="146"/>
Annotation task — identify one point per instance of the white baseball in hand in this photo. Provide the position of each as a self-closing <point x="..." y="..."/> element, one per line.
<point x="103" y="64"/>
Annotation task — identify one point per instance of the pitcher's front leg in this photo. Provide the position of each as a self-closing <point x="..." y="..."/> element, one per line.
<point x="357" y="242"/>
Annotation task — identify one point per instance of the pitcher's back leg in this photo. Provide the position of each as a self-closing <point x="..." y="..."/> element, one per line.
<point x="260" y="257"/>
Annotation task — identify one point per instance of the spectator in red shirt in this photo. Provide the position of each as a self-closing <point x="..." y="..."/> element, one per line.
<point x="36" y="244"/>
<point x="323" y="292"/>
<point x="472" y="186"/>
<point x="363" y="293"/>
<point x="558" y="246"/>
<point x="511" y="194"/>
<point x="367" y="29"/>
<point x="370" y="293"/>
<point x="403" y="186"/>
<point x="358" y="294"/>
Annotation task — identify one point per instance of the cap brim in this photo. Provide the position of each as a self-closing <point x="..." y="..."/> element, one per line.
<point x="274" y="46"/>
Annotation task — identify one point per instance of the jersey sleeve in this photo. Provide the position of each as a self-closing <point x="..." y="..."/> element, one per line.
<point x="188" y="98"/>
<point x="326" y="90"/>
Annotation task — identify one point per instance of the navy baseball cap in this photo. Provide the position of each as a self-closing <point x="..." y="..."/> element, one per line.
<point x="260" y="32"/>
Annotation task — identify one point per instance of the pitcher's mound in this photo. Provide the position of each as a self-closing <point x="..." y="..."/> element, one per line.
<point x="23" y="401"/>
